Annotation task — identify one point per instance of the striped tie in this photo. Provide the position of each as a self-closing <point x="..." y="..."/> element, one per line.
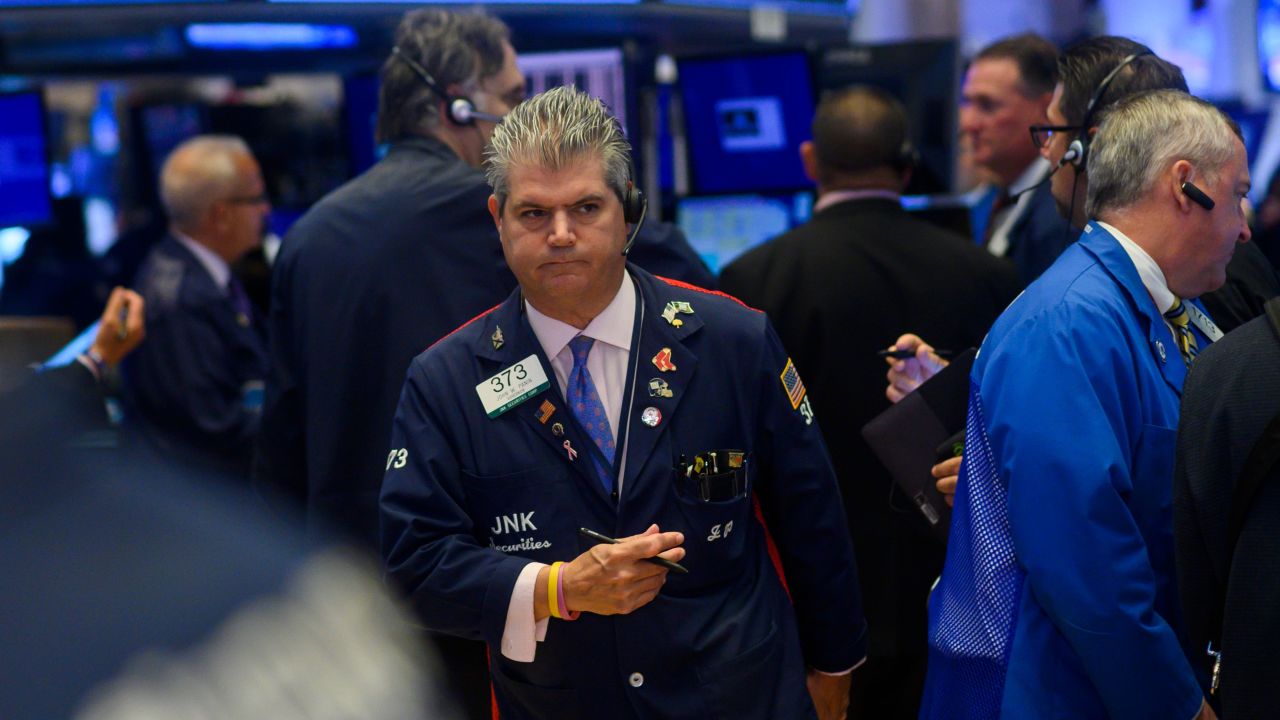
<point x="1177" y="317"/>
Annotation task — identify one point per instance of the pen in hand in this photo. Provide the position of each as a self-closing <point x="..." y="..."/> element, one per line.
<point x="663" y="562"/>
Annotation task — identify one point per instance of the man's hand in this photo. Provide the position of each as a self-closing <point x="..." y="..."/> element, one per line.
<point x="906" y="375"/>
<point x="1206" y="712"/>
<point x="122" y="328"/>
<point x="615" y="579"/>
<point x="947" y="473"/>
<point x="830" y="694"/>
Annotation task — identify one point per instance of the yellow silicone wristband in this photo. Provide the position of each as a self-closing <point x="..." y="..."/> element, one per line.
<point x="552" y="578"/>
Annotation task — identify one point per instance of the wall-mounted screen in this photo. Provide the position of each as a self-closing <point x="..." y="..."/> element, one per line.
<point x="24" y="161"/>
<point x="745" y="117"/>
<point x="596" y="72"/>
<point x="722" y="228"/>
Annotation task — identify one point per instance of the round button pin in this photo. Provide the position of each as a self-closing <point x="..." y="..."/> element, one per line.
<point x="1160" y="349"/>
<point x="636" y="679"/>
<point x="557" y="429"/>
<point x="651" y="416"/>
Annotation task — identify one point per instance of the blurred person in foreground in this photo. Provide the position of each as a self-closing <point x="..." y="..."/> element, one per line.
<point x="1058" y="595"/>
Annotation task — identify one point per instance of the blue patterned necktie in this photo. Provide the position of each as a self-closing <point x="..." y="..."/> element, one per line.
<point x="239" y="300"/>
<point x="584" y="403"/>
<point x="1177" y="317"/>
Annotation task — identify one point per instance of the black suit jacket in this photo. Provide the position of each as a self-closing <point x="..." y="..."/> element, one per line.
<point x="837" y="289"/>
<point x="195" y="384"/>
<point x="1231" y="393"/>
<point x="1039" y="235"/>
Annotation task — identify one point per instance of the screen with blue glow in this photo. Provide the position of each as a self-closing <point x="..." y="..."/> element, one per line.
<point x="270" y="36"/>
<point x="722" y="228"/>
<point x="24" y="161"/>
<point x="1269" y="41"/>
<point x="745" y="118"/>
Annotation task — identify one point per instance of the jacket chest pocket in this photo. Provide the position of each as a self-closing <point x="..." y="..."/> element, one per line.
<point x="530" y="513"/>
<point x="716" y="515"/>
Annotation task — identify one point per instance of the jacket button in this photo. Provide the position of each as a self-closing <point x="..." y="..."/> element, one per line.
<point x="636" y="679"/>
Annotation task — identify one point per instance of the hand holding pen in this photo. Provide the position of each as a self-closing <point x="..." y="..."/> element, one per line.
<point x="122" y="327"/>
<point x="620" y="577"/>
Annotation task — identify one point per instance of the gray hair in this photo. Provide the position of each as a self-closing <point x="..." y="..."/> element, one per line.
<point x="1142" y="135"/>
<point x="552" y="129"/>
<point x="198" y="173"/>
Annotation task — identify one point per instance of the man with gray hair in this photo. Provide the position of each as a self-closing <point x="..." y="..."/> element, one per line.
<point x="1058" y="595"/>
<point x="195" y="386"/>
<point x="596" y="401"/>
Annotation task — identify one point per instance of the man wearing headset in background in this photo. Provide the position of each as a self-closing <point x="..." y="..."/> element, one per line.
<point x="378" y="270"/>
<point x="598" y="396"/>
<point x="1057" y="598"/>
<point x="1082" y="69"/>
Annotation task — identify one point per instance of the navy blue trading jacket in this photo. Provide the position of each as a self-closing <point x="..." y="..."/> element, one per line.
<point x="372" y="275"/>
<point x="723" y="641"/>
<point x="195" y="385"/>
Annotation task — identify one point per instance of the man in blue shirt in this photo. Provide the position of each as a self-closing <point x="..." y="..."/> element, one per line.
<point x="1058" y="597"/>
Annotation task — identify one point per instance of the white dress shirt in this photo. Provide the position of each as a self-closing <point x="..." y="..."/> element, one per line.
<point x="607" y="363"/>
<point x="217" y="268"/>
<point x="998" y="245"/>
<point x="1148" y="271"/>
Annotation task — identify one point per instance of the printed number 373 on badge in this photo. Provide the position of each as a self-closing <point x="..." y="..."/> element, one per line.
<point x="503" y="379"/>
<point x="397" y="458"/>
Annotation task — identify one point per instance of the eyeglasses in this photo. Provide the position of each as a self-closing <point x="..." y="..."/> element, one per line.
<point x="1042" y="134"/>
<point x="252" y="200"/>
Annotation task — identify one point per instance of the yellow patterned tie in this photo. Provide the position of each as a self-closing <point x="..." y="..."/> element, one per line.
<point x="1177" y="317"/>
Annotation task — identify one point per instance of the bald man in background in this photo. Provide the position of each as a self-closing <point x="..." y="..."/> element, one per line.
<point x="194" y="389"/>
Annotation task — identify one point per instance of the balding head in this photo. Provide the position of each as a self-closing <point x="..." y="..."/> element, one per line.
<point x="212" y="190"/>
<point x="859" y="140"/>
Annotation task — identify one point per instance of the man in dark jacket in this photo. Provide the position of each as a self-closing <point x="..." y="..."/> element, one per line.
<point x="196" y="386"/>
<point x="839" y="288"/>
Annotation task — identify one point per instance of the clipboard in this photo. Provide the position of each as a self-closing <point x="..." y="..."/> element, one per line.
<point x="908" y="436"/>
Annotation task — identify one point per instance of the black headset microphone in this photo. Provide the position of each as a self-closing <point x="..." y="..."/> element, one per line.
<point x="461" y="111"/>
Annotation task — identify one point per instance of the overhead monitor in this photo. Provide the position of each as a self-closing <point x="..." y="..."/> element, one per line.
<point x="745" y="117"/>
<point x="599" y="73"/>
<point x="24" y="161"/>
<point x="722" y="228"/>
<point x="925" y="77"/>
<point x="1269" y="42"/>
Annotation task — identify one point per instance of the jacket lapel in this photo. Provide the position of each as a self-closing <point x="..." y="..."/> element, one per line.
<point x="659" y="386"/>
<point x="1160" y="340"/>
<point x="544" y="414"/>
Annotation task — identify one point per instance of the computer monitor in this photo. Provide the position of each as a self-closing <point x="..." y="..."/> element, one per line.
<point x="598" y="73"/>
<point x="24" y="161"/>
<point x="925" y="77"/>
<point x="1269" y="42"/>
<point x="722" y="228"/>
<point x="745" y="117"/>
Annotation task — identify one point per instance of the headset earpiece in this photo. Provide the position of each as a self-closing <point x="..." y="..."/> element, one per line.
<point x="1075" y="154"/>
<point x="1197" y="196"/>
<point x="907" y="157"/>
<point x="459" y="110"/>
<point x="1082" y="142"/>
<point x="633" y="203"/>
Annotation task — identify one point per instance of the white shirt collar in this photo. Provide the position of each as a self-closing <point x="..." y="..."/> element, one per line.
<point x="1150" y="273"/>
<point x="836" y="197"/>
<point x="613" y="325"/>
<point x="1033" y="174"/>
<point x="217" y="268"/>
